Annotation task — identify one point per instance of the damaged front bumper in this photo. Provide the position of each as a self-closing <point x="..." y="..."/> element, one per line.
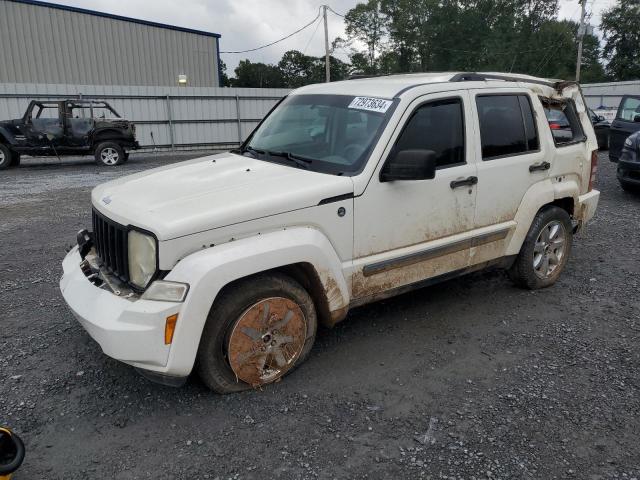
<point x="125" y="326"/>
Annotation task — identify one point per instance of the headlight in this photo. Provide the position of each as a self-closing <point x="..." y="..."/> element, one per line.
<point x="142" y="258"/>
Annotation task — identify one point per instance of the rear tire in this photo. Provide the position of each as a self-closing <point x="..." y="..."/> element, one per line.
<point x="109" y="154"/>
<point x="251" y="345"/>
<point x="5" y="157"/>
<point x="545" y="250"/>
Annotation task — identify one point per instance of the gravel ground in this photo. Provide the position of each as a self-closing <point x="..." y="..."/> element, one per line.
<point x="468" y="379"/>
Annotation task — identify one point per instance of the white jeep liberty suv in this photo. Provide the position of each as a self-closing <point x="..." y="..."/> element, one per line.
<point x="346" y="193"/>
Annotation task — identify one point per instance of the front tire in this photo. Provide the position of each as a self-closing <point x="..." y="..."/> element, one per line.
<point x="109" y="154"/>
<point x="257" y="331"/>
<point x="545" y="250"/>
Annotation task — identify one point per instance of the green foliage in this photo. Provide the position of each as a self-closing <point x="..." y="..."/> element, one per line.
<point x="294" y="70"/>
<point x="621" y="29"/>
<point x="469" y="35"/>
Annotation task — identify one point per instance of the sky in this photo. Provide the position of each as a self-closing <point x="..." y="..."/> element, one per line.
<point x="246" y="24"/>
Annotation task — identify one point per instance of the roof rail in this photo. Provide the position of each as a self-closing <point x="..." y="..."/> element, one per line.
<point x="358" y="76"/>
<point x="481" y="77"/>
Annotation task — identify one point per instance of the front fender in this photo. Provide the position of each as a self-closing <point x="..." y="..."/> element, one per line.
<point x="209" y="270"/>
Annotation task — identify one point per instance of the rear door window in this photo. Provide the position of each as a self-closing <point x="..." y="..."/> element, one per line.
<point x="629" y="110"/>
<point x="563" y="122"/>
<point x="507" y="125"/>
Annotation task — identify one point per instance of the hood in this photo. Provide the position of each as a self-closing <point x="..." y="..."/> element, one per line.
<point x="211" y="192"/>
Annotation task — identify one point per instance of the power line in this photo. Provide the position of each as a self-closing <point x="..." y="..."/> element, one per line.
<point x="310" y="39"/>
<point x="279" y="40"/>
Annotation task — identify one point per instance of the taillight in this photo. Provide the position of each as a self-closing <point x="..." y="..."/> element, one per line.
<point x="594" y="169"/>
<point x="555" y="126"/>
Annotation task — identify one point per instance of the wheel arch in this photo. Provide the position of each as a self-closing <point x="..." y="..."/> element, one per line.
<point x="304" y="253"/>
<point x="541" y="195"/>
<point x="106" y="135"/>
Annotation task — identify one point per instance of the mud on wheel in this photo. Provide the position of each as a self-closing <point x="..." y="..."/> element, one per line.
<point x="545" y="250"/>
<point x="258" y="330"/>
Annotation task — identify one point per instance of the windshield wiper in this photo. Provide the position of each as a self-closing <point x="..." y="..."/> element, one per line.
<point x="254" y="151"/>
<point x="300" y="161"/>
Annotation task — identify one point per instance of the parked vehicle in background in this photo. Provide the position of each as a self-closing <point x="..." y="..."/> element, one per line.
<point x="67" y="127"/>
<point x="561" y="126"/>
<point x="629" y="164"/>
<point x="627" y="122"/>
<point x="601" y="127"/>
<point x="346" y="193"/>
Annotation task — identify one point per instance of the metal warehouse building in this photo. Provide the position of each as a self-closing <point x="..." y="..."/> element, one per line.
<point x="56" y="44"/>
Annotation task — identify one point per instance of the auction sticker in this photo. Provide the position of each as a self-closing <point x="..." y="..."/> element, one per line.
<point x="371" y="104"/>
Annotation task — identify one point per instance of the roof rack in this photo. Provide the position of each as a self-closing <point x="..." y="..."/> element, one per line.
<point x="481" y="77"/>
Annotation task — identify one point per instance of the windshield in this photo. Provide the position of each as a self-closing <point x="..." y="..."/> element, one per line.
<point x="325" y="133"/>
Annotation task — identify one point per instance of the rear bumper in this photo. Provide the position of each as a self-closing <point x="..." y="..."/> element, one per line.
<point x="129" y="330"/>
<point x="587" y="205"/>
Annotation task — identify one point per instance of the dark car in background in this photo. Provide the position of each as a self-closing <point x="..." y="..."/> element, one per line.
<point x="626" y="123"/>
<point x="67" y="127"/>
<point x="602" y="128"/>
<point x="629" y="164"/>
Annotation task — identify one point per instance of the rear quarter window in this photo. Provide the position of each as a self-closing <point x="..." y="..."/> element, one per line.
<point x="563" y="121"/>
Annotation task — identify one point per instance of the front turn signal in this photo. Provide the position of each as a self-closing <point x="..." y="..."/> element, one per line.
<point x="169" y="328"/>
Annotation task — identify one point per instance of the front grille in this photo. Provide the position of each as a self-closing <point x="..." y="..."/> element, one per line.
<point x="111" y="242"/>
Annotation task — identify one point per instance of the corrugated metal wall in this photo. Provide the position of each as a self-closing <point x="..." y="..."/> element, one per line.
<point x="177" y="117"/>
<point x="608" y="95"/>
<point x="39" y="44"/>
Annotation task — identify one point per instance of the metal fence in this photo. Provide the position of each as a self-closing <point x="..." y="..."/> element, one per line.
<point x="165" y="117"/>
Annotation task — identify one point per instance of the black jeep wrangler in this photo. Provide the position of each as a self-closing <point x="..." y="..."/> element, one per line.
<point x="67" y="127"/>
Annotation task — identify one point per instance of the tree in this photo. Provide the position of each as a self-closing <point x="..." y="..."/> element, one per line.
<point x="224" y="78"/>
<point x="621" y="30"/>
<point x="257" y="75"/>
<point x="366" y="23"/>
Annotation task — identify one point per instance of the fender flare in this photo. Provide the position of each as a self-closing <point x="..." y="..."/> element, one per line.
<point x="106" y="135"/>
<point x="209" y="270"/>
<point x="540" y="194"/>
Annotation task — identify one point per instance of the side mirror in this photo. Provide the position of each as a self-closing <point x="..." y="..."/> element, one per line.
<point x="601" y="118"/>
<point x="410" y="165"/>
<point x="636" y="118"/>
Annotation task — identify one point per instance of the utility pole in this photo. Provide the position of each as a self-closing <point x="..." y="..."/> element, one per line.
<point x="327" y="65"/>
<point x="581" y="31"/>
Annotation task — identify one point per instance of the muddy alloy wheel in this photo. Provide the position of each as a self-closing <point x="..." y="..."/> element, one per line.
<point x="259" y="329"/>
<point x="548" y="251"/>
<point x="267" y="340"/>
<point x="545" y="249"/>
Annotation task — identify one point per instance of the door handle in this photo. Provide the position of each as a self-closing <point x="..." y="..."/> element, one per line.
<point x="537" y="167"/>
<point x="469" y="181"/>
